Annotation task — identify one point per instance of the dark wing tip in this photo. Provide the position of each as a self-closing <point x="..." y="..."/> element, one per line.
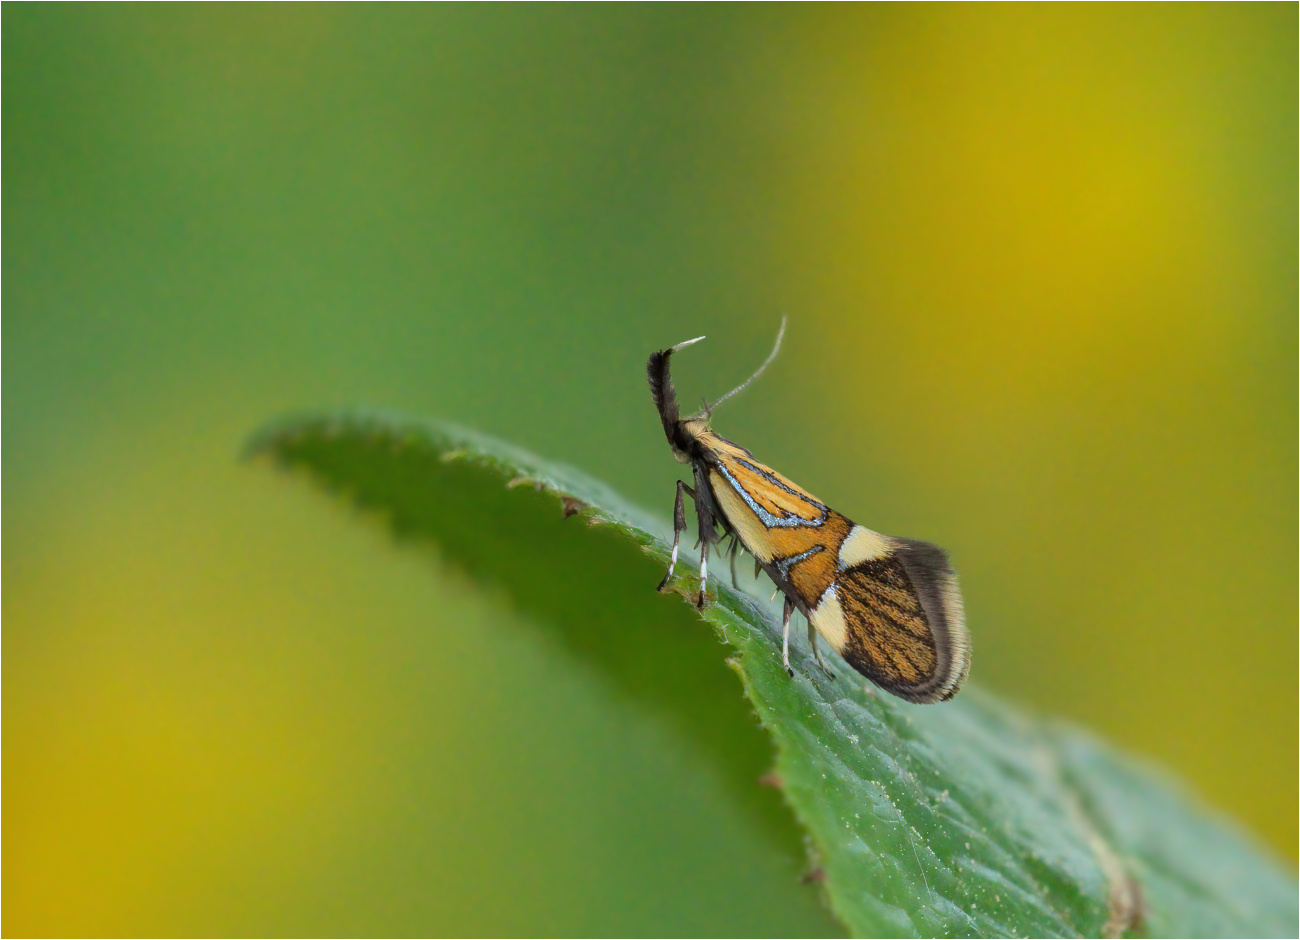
<point x="935" y="582"/>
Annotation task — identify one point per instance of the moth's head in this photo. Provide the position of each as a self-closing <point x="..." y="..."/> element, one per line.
<point x="679" y="431"/>
<point x="683" y="432"/>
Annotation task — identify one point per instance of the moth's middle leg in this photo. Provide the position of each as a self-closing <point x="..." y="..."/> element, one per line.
<point x="812" y="640"/>
<point x="785" y="635"/>
<point x="704" y="571"/>
<point x="704" y="515"/>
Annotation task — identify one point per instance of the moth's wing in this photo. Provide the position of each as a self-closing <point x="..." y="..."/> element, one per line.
<point x="777" y="500"/>
<point x="894" y="613"/>
<point x="774" y="517"/>
<point x="891" y="607"/>
<point x="774" y="500"/>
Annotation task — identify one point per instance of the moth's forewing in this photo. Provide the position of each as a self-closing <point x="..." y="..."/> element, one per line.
<point x="890" y="607"/>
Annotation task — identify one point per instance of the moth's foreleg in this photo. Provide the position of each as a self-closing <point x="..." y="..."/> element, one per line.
<point x="735" y="550"/>
<point x="817" y="653"/>
<point x="785" y="635"/>
<point x="679" y="526"/>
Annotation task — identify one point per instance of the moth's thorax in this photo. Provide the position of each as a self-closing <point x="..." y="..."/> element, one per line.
<point x="695" y="427"/>
<point x="687" y="436"/>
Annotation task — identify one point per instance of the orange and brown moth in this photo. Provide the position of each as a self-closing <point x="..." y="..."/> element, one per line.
<point x="889" y="606"/>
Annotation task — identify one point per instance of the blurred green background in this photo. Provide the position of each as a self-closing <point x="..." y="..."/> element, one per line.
<point x="1040" y="265"/>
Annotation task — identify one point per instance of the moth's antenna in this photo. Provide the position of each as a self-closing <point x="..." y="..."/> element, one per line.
<point x="767" y="362"/>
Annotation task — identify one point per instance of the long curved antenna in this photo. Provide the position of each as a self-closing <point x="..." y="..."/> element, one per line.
<point x="780" y="334"/>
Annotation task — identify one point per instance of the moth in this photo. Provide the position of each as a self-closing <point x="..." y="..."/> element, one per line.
<point x="890" y="607"/>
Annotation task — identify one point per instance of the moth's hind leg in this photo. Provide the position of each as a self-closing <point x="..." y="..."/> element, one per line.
<point x="785" y="635"/>
<point x="679" y="526"/>
<point x="735" y="550"/>
<point x="817" y="653"/>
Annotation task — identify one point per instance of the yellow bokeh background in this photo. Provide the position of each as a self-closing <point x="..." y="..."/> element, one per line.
<point x="1039" y="263"/>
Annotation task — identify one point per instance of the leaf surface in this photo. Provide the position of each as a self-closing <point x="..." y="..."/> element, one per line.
<point x="967" y="818"/>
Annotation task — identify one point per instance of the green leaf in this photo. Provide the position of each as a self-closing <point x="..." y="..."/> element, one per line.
<point x="967" y="818"/>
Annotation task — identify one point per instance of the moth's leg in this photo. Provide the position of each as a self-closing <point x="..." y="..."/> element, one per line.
<point x="785" y="635"/>
<point x="812" y="639"/>
<point x="679" y="526"/>
<point x="707" y="527"/>
<point x="735" y="550"/>
<point x="704" y="571"/>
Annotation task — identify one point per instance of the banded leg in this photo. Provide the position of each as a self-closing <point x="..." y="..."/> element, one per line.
<point x="812" y="640"/>
<point x="707" y="527"/>
<point x="679" y="526"/>
<point x="785" y="635"/>
<point x="704" y="571"/>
